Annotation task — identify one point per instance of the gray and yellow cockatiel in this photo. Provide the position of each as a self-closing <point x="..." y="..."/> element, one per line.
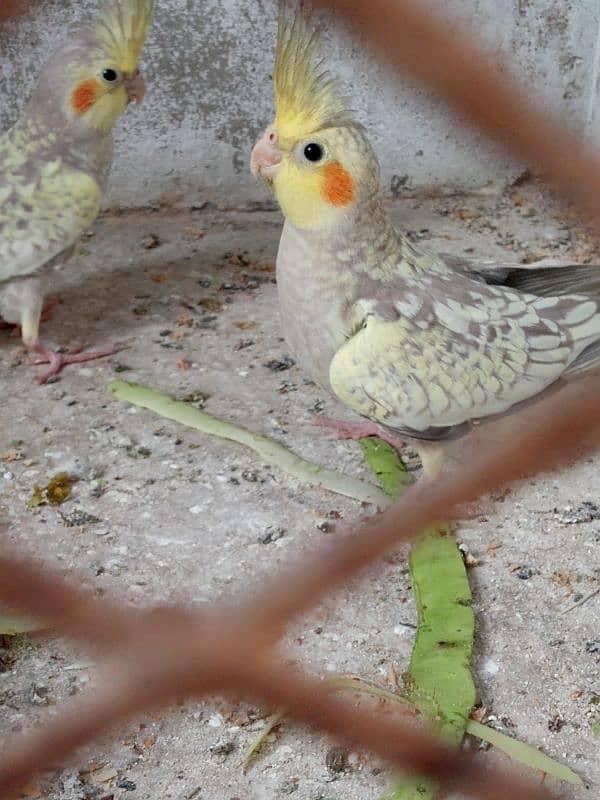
<point x="423" y="348"/>
<point x="54" y="162"/>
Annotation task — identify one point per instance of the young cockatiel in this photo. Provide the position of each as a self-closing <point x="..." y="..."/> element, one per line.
<point x="55" y="160"/>
<point x="419" y="348"/>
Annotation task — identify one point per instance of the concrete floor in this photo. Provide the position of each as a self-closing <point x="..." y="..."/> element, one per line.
<point x="181" y="516"/>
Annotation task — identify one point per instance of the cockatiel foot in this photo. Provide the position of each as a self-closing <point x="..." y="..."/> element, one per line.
<point x="357" y="430"/>
<point x="58" y="361"/>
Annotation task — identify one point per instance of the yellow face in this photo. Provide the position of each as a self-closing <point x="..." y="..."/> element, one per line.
<point x="312" y="182"/>
<point x="99" y="95"/>
<point x="315" y="156"/>
<point x="103" y="75"/>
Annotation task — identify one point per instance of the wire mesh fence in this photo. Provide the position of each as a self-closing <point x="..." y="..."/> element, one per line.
<point x="234" y="648"/>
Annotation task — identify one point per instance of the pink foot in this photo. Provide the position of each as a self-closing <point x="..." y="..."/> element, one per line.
<point x="58" y="361"/>
<point x="357" y="430"/>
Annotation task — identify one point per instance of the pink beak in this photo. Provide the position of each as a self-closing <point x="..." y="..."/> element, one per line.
<point x="266" y="155"/>
<point x="136" y="87"/>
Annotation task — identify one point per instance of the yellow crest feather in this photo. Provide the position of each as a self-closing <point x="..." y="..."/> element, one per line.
<point x="121" y="31"/>
<point x="307" y="97"/>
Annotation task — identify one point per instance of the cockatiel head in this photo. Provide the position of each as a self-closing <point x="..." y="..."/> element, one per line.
<point x="88" y="83"/>
<point x="315" y="155"/>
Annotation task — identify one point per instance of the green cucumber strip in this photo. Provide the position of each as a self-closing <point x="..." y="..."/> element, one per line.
<point x="439" y="680"/>
<point x="272" y="452"/>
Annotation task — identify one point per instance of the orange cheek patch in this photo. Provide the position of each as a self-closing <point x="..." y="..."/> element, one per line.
<point x="84" y="96"/>
<point x="338" y="188"/>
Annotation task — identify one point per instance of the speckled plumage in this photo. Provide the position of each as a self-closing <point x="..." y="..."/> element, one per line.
<point x="55" y="160"/>
<point x="424" y="347"/>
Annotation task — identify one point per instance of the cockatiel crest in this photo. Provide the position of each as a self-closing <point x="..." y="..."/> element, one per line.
<point x="121" y="31"/>
<point x="315" y="155"/>
<point x="307" y="97"/>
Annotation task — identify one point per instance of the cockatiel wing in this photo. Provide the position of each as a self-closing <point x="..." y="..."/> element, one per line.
<point x="549" y="276"/>
<point x="438" y="359"/>
<point x="43" y="215"/>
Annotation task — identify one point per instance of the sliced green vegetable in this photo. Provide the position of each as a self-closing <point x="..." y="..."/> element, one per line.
<point x="438" y="680"/>
<point x="13" y="626"/>
<point x="385" y="462"/>
<point x="524" y="753"/>
<point x="272" y="452"/>
<point x="518" y="751"/>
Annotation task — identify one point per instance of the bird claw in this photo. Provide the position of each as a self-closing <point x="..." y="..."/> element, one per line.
<point x="58" y="361"/>
<point x="357" y="430"/>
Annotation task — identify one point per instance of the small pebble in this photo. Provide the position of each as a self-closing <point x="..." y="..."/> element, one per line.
<point x="524" y="573"/>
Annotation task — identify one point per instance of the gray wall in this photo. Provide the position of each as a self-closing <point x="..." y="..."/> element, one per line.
<point x="209" y="63"/>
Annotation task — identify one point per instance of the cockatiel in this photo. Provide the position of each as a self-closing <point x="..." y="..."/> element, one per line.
<point x="54" y="162"/>
<point x="420" y="347"/>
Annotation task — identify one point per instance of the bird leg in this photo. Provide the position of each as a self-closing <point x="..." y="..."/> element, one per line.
<point x="357" y="430"/>
<point x="49" y="307"/>
<point x="58" y="361"/>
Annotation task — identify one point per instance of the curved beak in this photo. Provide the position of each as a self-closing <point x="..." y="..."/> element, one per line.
<point x="136" y="87"/>
<point x="266" y="155"/>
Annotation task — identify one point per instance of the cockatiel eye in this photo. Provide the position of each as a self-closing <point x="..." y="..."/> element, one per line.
<point x="313" y="152"/>
<point x="110" y="75"/>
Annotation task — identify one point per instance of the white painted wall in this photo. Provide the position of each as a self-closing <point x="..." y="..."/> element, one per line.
<point x="209" y="64"/>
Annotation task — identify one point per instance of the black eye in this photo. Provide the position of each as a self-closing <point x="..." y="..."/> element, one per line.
<point x="109" y="75"/>
<point x="313" y="152"/>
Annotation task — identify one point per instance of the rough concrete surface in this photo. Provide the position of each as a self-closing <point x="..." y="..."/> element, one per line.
<point x="181" y="516"/>
<point x="209" y="65"/>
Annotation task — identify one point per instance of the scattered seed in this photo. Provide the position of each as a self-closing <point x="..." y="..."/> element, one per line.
<point x="336" y="759"/>
<point x="585" y="512"/>
<point x="556" y="723"/>
<point x="151" y="241"/>
<point x="280" y="365"/>
<point x="223" y="747"/>
<point x="128" y="786"/>
<point x="524" y="573"/>
<point x="271" y="534"/>
<point x="138" y="452"/>
<point x="78" y="518"/>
